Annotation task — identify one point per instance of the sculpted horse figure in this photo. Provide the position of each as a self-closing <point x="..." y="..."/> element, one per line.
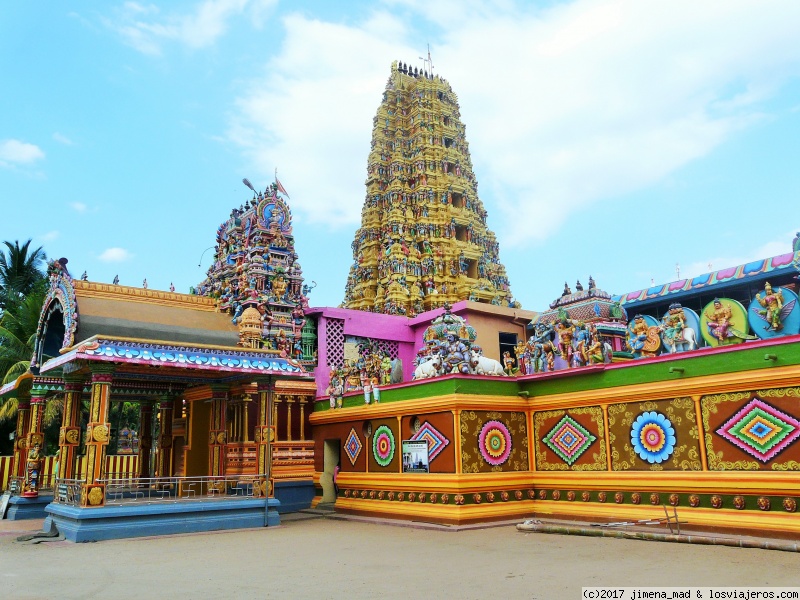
<point x="676" y="335"/>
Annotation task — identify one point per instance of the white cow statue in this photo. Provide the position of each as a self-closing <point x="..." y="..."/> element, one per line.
<point x="482" y="365"/>
<point x="428" y="369"/>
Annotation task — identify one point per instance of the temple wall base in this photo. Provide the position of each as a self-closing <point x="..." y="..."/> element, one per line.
<point x="20" y="508"/>
<point x="95" y="524"/>
<point x="294" y="495"/>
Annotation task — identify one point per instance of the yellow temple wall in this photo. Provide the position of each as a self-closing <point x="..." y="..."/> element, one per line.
<point x="711" y="481"/>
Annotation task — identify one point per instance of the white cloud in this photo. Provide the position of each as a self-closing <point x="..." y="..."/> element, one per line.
<point x="147" y="29"/>
<point x="565" y="106"/>
<point x="115" y="255"/>
<point x="78" y="207"/>
<point x="15" y="152"/>
<point x="62" y="139"/>
<point x="49" y="236"/>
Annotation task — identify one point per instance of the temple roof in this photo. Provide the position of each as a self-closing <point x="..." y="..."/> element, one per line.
<point x="128" y="312"/>
<point x="776" y="265"/>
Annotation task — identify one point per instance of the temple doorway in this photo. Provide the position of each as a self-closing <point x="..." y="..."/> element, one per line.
<point x="331" y="460"/>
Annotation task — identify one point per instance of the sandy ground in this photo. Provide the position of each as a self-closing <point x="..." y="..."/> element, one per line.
<point x="324" y="558"/>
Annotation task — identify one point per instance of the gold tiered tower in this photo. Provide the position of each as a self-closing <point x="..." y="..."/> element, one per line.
<point x="423" y="239"/>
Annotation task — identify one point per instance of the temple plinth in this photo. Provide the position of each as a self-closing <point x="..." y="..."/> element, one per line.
<point x="423" y="240"/>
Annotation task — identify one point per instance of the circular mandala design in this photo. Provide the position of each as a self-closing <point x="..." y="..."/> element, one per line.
<point x="494" y="442"/>
<point x="585" y="496"/>
<point x="445" y="498"/>
<point x="694" y="500"/>
<point x="542" y="494"/>
<point x="636" y="497"/>
<point x="504" y="496"/>
<point x="738" y="502"/>
<point x="653" y="437"/>
<point x="556" y="495"/>
<point x="716" y="501"/>
<point x="655" y="499"/>
<point x="518" y="494"/>
<point x="789" y="505"/>
<point x="570" y="496"/>
<point x="674" y="499"/>
<point x="476" y="498"/>
<point x="601" y="496"/>
<point x="490" y="496"/>
<point x="619" y="497"/>
<point x="764" y="503"/>
<point x="383" y="446"/>
<point x="421" y="497"/>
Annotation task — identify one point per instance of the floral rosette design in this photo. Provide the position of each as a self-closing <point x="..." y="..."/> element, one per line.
<point x="494" y="443"/>
<point x="653" y="437"/>
<point x="383" y="446"/>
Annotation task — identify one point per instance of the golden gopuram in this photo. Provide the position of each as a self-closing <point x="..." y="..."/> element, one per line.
<point x="423" y="239"/>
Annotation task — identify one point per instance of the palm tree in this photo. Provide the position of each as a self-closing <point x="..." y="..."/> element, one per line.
<point x="18" y="326"/>
<point x="20" y="270"/>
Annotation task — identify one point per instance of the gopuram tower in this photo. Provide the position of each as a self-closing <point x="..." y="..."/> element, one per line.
<point x="423" y="239"/>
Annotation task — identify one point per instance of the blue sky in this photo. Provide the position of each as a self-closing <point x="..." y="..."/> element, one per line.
<point x="611" y="138"/>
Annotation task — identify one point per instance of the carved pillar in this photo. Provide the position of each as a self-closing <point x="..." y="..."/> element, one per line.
<point x="276" y="400"/>
<point x="217" y="437"/>
<point x="21" y="436"/>
<point x="265" y="435"/>
<point x="69" y="436"/>
<point x="303" y="417"/>
<point x="34" y="444"/>
<point x="145" y="437"/>
<point x="164" y="452"/>
<point x="289" y="402"/>
<point x="97" y="436"/>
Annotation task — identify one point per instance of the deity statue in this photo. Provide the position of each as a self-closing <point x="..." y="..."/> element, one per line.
<point x="335" y="390"/>
<point x="637" y="335"/>
<point x="456" y="355"/>
<point x="278" y="286"/>
<point x="565" y="331"/>
<point x="675" y="331"/>
<point x="508" y="363"/>
<point x="773" y="307"/>
<point x="33" y="468"/>
<point x="720" y="326"/>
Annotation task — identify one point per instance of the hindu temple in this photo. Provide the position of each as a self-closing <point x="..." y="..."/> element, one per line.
<point x="428" y="395"/>
<point x="423" y="239"/>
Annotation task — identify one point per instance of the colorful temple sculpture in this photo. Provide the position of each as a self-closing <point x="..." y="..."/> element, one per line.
<point x="423" y="239"/>
<point x="581" y="328"/>
<point x="257" y="279"/>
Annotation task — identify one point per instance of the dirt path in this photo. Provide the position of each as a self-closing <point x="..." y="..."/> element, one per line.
<point x="320" y="558"/>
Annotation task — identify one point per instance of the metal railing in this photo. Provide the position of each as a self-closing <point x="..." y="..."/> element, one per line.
<point x="44" y="483"/>
<point x="150" y="490"/>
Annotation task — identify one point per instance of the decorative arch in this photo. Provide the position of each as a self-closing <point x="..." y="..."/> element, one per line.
<point x="58" y="320"/>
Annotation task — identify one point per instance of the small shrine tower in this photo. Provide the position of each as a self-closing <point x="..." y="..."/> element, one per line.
<point x="256" y="276"/>
<point x="423" y="240"/>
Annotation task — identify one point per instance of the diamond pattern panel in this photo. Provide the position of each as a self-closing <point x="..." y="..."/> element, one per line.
<point x="435" y="438"/>
<point x="353" y="446"/>
<point x="569" y="439"/>
<point x="761" y="430"/>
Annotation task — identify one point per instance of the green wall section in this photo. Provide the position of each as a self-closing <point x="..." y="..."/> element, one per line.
<point x="708" y="362"/>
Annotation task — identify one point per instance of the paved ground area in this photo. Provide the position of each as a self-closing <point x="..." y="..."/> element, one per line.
<point x="324" y="558"/>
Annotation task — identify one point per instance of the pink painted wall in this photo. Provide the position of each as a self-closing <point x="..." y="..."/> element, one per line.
<point x="408" y="332"/>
